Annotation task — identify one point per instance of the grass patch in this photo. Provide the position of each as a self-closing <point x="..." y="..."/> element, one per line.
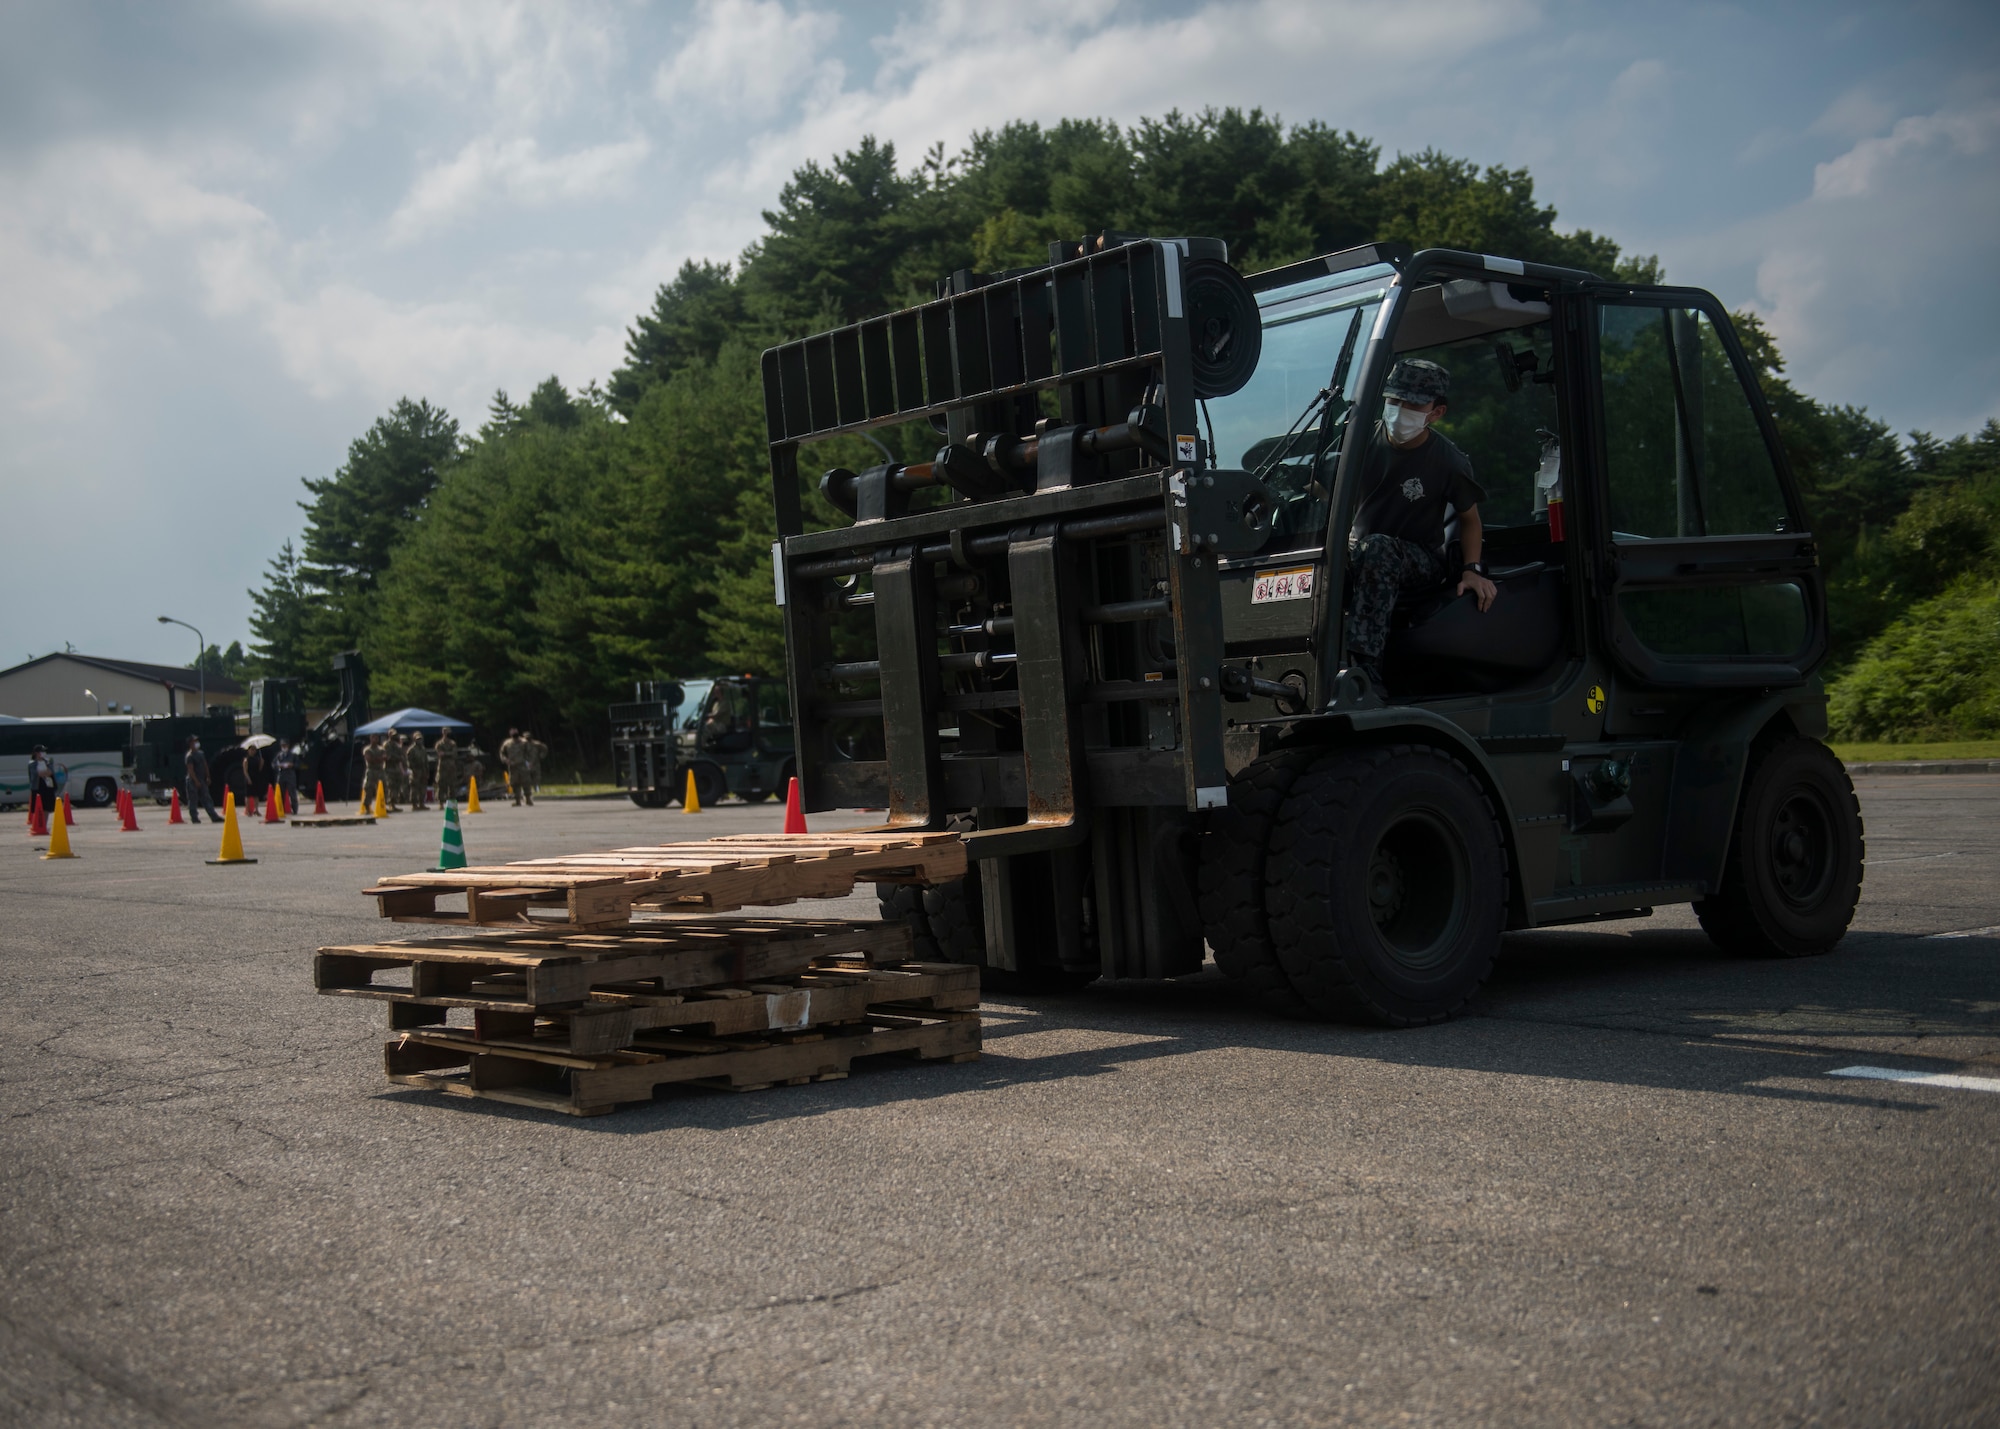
<point x="573" y="791"/>
<point x="1950" y="749"/>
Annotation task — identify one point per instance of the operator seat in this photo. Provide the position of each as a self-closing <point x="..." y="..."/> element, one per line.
<point x="1440" y="643"/>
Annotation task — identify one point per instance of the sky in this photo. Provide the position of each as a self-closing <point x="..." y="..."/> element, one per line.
<point x="234" y="232"/>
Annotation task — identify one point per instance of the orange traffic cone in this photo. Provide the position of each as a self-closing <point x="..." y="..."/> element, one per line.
<point x="174" y="810"/>
<point x="319" y="797"/>
<point x="69" y="814"/>
<point x="795" y="815"/>
<point x="274" y="812"/>
<point x="38" y="823"/>
<point x="128" y="813"/>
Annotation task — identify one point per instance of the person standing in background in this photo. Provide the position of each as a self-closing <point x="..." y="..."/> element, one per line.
<point x="420" y="771"/>
<point x="42" y="779"/>
<point x="196" y="793"/>
<point x="374" y="767"/>
<point x="286" y="763"/>
<point x="446" y="754"/>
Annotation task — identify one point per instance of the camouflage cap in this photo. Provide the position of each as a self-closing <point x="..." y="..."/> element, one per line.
<point x="1415" y="380"/>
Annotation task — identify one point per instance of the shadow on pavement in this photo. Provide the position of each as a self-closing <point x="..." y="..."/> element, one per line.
<point x="1656" y="1008"/>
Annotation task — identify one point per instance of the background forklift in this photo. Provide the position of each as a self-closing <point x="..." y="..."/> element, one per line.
<point x="734" y="733"/>
<point x="1115" y="657"/>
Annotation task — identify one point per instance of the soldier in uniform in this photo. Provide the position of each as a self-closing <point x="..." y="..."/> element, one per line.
<point x="374" y="763"/>
<point x="1410" y="477"/>
<point x="398" y="772"/>
<point x="420" y="771"/>
<point x="445" y="751"/>
<point x="538" y="754"/>
<point x="514" y="756"/>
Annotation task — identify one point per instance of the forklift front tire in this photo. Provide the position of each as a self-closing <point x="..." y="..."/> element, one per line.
<point x="1793" y="877"/>
<point x="1234" y="853"/>
<point x="1387" y="886"/>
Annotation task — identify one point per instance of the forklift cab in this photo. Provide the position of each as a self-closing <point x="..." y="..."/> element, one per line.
<point x="1637" y="498"/>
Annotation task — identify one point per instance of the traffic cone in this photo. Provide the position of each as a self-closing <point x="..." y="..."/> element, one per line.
<point x="795" y="815"/>
<point x="274" y="808"/>
<point x="319" y="797"/>
<point x="381" y="809"/>
<point x="472" y="795"/>
<point x="58" y="840"/>
<point x="451" y="852"/>
<point x="174" y="809"/>
<point x="38" y="823"/>
<point x="691" y="800"/>
<point x="69" y="814"/>
<point x="232" y="840"/>
<point x="128" y="813"/>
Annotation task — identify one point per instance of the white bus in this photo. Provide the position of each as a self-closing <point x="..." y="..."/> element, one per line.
<point x="93" y="754"/>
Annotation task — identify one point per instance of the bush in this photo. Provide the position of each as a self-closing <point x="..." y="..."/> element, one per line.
<point x="1933" y="674"/>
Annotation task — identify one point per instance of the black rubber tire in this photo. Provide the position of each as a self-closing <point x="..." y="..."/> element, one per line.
<point x="901" y="903"/>
<point x="711" y="785"/>
<point x="650" y="798"/>
<point x="1793" y="875"/>
<point x="1386" y="885"/>
<point x="100" y="793"/>
<point x="1233" y="857"/>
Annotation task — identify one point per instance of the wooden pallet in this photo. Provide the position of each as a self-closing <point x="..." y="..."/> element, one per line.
<point x="548" y="969"/>
<point x="601" y="890"/>
<point x="829" y="991"/>
<point x="451" y="1061"/>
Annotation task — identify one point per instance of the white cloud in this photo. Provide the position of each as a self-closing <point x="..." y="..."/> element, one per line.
<point x="1916" y="141"/>
<point x="514" y="170"/>
<point x="1871" y="284"/>
<point x="1856" y="114"/>
<point x="750" y="59"/>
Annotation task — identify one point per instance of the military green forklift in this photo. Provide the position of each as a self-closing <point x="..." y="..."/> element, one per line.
<point x="734" y="734"/>
<point x="1104" y="633"/>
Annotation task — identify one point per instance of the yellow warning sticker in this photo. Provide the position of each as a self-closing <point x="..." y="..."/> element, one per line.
<point x="1593" y="702"/>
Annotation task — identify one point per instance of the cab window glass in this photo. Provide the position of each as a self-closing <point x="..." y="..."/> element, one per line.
<point x="1684" y="454"/>
<point x="1501" y="413"/>
<point x="1767" y="620"/>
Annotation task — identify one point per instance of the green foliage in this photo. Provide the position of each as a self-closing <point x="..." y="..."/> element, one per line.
<point x="1933" y="674"/>
<point x="693" y="317"/>
<point x="230" y="664"/>
<point x="278" y="616"/>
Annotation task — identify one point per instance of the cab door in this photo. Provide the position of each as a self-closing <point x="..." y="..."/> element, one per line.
<point x="1703" y="548"/>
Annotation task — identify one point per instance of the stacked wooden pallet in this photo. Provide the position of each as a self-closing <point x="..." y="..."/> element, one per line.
<point x="602" y="890"/>
<point x="577" y="1008"/>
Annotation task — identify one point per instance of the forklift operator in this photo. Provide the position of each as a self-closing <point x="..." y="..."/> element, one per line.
<point x="1410" y="475"/>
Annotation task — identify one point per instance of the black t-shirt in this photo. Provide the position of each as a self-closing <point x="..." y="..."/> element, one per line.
<point x="1404" y="493"/>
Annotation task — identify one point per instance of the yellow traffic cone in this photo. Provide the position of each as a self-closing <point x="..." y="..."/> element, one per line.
<point x="59" y="838"/>
<point x="472" y="795"/>
<point x="381" y="809"/>
<point x="691" y="800"/>
<point x="232" y="839"/>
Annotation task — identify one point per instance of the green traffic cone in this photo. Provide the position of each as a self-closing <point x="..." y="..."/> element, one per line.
<point x="451" y="854"/>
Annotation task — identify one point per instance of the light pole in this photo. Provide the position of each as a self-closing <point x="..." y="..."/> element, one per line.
<point x="91" y="695"/>
<point x="200" y="661"/>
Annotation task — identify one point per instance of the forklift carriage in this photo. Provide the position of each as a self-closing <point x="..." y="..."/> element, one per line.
<point x="1102" y="631"/>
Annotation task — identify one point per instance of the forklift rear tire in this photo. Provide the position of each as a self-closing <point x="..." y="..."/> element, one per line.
<point x="1233" y="856"/>
<point x="1387" y="886"/>
<point x="1793" y="877"/>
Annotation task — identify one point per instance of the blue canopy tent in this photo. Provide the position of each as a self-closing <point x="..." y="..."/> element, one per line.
<point x="411" y="718"/>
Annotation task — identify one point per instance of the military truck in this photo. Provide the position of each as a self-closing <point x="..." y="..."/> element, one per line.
<point x="733" y="734"/>
<point x="1104" y="633"/>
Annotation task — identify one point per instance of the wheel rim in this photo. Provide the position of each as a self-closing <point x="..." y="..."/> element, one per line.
<point x="1416" y="889"/>
<point x="1800" y="849"/>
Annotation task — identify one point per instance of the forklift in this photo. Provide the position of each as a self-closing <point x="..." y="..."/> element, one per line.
<point x="1104" y="633"/>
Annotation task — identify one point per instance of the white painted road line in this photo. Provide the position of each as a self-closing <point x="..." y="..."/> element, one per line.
<point x="1923" y="1079"/>
<point x="1969" y="933"/>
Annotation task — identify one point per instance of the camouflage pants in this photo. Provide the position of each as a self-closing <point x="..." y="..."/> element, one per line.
<point x="1384" y="568"/>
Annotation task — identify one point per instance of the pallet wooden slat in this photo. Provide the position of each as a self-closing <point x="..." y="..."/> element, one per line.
<point x="599" y="890"/>
<point x="590" y="1086"/>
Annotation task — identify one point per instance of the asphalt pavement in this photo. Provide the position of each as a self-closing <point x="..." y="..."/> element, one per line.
<point x="1630" y="1189"/>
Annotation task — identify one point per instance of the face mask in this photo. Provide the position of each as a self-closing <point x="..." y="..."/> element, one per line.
<point x="1403" y="424"/>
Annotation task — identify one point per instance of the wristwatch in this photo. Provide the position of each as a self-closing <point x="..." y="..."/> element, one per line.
<point x="1478" y="568"/>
